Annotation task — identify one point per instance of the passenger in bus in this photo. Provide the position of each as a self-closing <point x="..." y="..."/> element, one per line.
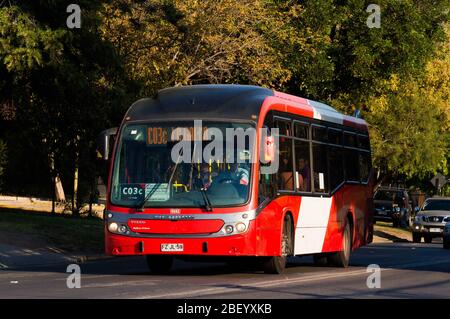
<point x="237" y="174"/>
<point x="305" y="171"/>
<point x="204" y="178"/>
<point x="287" y="180"/>
<point x="232" y="182"/>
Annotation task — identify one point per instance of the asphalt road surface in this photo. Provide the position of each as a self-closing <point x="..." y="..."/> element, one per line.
<point x="407" y="271"/>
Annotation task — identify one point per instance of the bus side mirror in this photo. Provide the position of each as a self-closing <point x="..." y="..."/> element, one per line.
<point x="269" y="149"/>
<point x="105" y="143"/>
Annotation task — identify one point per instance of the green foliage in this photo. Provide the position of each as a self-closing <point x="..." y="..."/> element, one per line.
<point x="406" y="133"/>
<point x="65" y="86"/>
<point x="183" y="42"/>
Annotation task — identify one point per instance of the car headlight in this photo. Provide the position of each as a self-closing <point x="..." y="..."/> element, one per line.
<point x="397" y="209"/>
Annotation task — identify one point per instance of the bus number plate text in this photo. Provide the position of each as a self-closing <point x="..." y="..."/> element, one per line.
<point x="172" y="247"/>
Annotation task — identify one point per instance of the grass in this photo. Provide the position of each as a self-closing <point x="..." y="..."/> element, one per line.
<point x="390" y="231"/>
<point x="74" y="234"/>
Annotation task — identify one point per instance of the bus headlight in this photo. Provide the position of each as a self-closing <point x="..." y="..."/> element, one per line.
<point x="123" y="229"/>
<point x="229" y="229"/>
<point x="113" y="227"/>
<point x="240" y="227"/>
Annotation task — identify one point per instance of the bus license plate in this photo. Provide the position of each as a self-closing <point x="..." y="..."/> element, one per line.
<point x="435" y="230"/>
<point x="172" y="247"/>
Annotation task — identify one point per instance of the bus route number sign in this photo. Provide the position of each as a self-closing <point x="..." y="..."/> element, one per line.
<point x="132" y="192"/>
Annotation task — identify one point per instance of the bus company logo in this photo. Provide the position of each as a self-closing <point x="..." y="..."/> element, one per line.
<point x="173" y="217"/>
<point x="133" y="221"/>
<point x="175" y="211"/>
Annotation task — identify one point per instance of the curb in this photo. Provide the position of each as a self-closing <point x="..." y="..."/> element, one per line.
<point x="86" y="258"/>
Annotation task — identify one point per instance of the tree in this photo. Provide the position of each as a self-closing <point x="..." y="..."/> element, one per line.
<point x="177" y="42"/>
<point x="410" y="122"/>
<point x="344" y="61"/>
<point x="64" y="84"/>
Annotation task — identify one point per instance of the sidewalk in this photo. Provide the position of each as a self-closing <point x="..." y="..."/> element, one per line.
<point x="20" y="251"/>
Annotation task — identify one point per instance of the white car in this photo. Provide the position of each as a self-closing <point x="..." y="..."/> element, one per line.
<point x="431" y="219"/>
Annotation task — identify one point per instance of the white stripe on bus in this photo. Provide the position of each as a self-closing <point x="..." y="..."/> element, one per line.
<point x="312" y="223"/>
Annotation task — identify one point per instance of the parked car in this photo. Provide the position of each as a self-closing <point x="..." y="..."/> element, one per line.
<point x="447" y="236"/>
<point x="431" y="219"/>
<point x="392" y="205"/>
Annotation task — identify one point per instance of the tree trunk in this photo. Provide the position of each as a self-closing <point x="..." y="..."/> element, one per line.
<point x="75" y="189"/>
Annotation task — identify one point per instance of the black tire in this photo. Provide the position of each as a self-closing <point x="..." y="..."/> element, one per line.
<point x="159" y="264"/>
<point x="428" y="239"/>
<point x="342" y="258"/>
<point x="417" y="238"/>
<point x="395" y="223"/>
<point x="447" y="244"/>
<point x="277" y="264"/>
<point x="320" y="260"/>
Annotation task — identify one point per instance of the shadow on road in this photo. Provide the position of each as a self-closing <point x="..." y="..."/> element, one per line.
<point x="388" y="236"/>
<point x="418" y="257"/>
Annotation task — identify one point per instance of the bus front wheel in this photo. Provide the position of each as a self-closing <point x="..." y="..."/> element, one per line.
<point x="277" y="264"/>
<point x="159" y="264"/>
<point x="342" y="258"/>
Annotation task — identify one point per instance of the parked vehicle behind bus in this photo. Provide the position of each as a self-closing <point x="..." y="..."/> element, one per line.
<point x="298" y="185"/>
<point x="431" y="219"/>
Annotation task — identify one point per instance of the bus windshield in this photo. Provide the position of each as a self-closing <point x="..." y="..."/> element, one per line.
<point x="175" y="164"/>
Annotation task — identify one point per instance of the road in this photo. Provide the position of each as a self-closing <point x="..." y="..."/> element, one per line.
<point x="407" y="271"/>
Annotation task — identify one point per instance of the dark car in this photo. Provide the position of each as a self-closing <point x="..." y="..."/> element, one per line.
<point x="392" y="205"/>
<point x="447" y="236"/>
<point x="430" y="221"/>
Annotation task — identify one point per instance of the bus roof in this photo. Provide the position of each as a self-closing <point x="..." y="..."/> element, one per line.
<point x="219" y="101"/>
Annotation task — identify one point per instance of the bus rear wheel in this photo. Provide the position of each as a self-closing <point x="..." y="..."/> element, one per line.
<point x="342" y="258"/>
<point x="277" y="264"/>
<point x="159" y="264"/>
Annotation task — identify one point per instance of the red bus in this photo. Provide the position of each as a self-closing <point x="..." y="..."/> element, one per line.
<point x="317" y="201"/>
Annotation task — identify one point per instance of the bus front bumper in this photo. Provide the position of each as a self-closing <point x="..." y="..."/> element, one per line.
<point x="233" y="245"/>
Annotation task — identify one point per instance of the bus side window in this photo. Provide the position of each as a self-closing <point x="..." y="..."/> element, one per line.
<point x="303" y="167"/>
<point x="285" y="171"/>
<point x="267" y="182"/>
<point x="351" y="165"/>
<point x="364" y="166"/>
<point x="320" y="167"/>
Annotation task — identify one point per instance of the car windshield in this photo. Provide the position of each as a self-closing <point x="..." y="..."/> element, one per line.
<point x="393" y="196"/>
<point x="437" y="205"/>
<point x="151" y="171"/>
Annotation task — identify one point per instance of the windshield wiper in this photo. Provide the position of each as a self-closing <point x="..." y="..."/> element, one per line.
<point x="142" y="206"/>
<point x="208" y="205"/>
